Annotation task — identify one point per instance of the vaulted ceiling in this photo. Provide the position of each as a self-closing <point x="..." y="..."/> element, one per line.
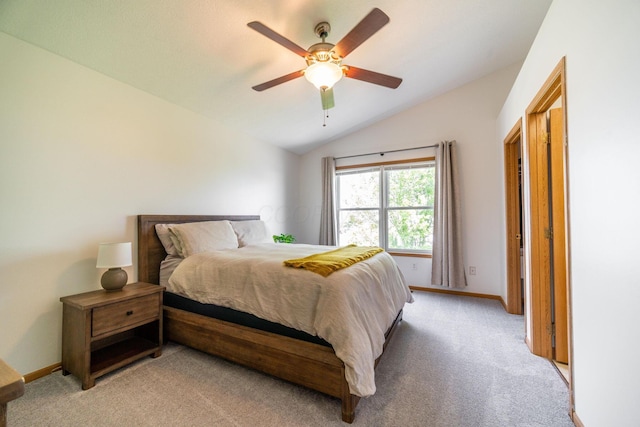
<point x="201" y="55"/>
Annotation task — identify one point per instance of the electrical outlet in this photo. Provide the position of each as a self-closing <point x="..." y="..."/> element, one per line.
<point x="472" y="270"/>
<point x="414" y="266"/>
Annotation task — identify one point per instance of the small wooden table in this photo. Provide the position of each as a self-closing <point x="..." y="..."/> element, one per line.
<point x="11" y="388"/>
<point x="105" y="330"/>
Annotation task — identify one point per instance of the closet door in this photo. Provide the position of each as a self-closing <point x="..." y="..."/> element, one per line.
<point x="558" y="240"/>
<point x="541" y="300"/>
<point x="550" y="333"/>
<point x="513" y="204"/>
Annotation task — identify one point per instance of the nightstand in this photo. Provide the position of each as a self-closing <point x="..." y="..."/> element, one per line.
<point x="103" y="331"/>
<point x="11" y="387"/>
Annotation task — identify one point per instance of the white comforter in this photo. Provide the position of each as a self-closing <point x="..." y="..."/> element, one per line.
<point x="351" y="309"/>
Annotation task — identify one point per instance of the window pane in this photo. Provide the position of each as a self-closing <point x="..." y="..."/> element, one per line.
<point x="410" y="187"/>
<point x="359" y="190"/>
<point x="359" y="227"/>
<point x="410" y="229"/>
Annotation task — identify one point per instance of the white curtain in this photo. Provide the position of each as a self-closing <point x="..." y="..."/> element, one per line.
<point x="328" y="229"/>
<point x="447" y="263"/>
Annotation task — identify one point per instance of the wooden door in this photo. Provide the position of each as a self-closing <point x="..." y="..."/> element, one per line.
<point x="558" y="235"/>
<point x="512" y="180"/>
<point x="541" y="339"/>
<point x="550" y="332"/>
<point x="548" y="249"/>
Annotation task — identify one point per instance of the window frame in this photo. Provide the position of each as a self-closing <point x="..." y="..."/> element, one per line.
<point x="383" y="208"/>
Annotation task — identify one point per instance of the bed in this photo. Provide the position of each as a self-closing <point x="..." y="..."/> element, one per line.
<point x="305" y="360"/>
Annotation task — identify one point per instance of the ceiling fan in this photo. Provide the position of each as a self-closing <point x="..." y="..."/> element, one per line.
<point x="324" y="60"/>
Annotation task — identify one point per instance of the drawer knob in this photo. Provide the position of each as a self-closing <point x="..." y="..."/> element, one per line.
<point x="129" y="313"/>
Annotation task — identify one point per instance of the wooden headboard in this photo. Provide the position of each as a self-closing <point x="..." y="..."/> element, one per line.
<point x="150" y="249"/>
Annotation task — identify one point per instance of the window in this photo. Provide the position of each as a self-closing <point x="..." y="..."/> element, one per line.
<point x="388" y="205"/>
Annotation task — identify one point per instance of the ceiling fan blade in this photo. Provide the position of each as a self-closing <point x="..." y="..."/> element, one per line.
<point x="372" y="77"/>
<point x="371" y="23"/>
<point x="269" y="33"/>
<point x="279" y="80"/>
<point x="327" y="99"/>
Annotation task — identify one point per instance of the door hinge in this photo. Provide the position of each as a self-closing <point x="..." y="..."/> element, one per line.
<point x="546" y="138"/>
<point x="548" y="233"/>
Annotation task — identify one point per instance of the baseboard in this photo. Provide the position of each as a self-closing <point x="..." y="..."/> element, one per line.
<point x="527" y="341"/>
<point x="462" y="293"/>
<point x="576" y="420"/>
<point x="42" y="372"/>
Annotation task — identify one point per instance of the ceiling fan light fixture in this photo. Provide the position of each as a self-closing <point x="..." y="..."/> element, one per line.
<point x="324" y="60"/>
<point x="323" y="75"/>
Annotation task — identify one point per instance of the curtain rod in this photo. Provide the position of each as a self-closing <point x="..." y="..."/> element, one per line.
<point x="382" y="153"/>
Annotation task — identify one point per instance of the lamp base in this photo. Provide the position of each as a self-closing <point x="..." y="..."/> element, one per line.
<point x="114" y="279"/>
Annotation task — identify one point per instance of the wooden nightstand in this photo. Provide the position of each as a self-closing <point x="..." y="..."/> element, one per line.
<point x="103" y="331"/>
<point x="11" y="387"/>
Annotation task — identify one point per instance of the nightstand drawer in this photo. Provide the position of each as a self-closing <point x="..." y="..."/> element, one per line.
<point x="114" y="317"/>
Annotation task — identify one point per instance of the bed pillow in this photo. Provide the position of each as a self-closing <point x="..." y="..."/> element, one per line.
<point x="162" y="230"/>
<point x="167" y="266"/>
<point x="251" y="232"/>
<point x="195" y="237"/>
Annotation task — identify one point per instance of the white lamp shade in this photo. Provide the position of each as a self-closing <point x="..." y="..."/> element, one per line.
<point x="323" y="75"/>
<point x="112" y="255"/>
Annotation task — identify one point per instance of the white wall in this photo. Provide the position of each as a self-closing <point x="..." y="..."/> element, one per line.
<point x="80" y="156"/>
<point x="600" y="42"/>
<point x="466" y="114"/>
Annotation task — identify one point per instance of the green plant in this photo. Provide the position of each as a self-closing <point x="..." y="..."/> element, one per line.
<point x="284" y="238"/>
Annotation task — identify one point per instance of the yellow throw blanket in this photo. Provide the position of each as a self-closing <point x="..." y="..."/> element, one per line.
<point x="326" y="263"/>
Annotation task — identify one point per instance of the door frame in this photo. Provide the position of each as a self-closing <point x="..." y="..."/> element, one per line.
<point x="539" y="259"/>
<point x="540" y="339"/>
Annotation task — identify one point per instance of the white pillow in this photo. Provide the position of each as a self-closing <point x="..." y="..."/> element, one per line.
<point x="195" y="237"/>
<point x="162" y="230"/>
<point x="251" y="232"/>
<point x="167" y="266"/>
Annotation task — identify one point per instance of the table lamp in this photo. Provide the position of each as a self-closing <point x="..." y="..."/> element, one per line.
<point x="114" y="256"/>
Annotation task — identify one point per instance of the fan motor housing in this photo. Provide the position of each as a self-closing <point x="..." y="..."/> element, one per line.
<point x="324" y="55"/>
<point x="323" y="51"/>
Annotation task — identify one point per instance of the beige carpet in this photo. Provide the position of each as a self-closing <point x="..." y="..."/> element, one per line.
<point x="454" y="361"/>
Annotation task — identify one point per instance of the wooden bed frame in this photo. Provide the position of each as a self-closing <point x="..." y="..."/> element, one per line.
<point x="311" y="365"/>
